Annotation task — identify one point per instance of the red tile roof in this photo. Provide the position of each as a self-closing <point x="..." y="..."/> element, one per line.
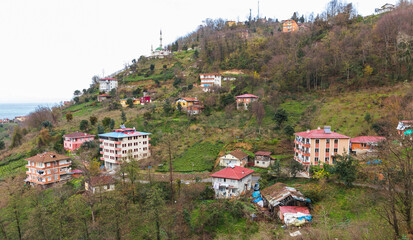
<point x="239" y="154"/>
<point x="78" y="135"/>
<point x="47" y="157"/>
<point x="247" y="96"/>
<point x="111" y="79"/>
<point x="262" y="153"/>
<point x="189" y="99"/>
<point x="319" y="133"/>
<point x="367" y="139"/>
<point x="236" y="173"/>
<point x="104" y="95"/>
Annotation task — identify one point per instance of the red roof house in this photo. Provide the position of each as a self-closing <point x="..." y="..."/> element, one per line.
<point x="73" y="141"/>
<point x="365" y="143"/>
<point x="232" y="182"/>
<point x="244" y="100"/>
<point x="233" y="173"/>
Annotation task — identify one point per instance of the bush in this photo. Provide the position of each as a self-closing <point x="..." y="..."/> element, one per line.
<point x="84" y="125"/>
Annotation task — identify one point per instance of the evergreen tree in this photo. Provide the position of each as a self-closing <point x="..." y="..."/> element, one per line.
<point x="123" y="116"/>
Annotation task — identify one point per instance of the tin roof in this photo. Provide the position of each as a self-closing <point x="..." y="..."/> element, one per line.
<point x="319" y="133"/>
<point x="247" y="96"/>
<point x="367" y="139"/>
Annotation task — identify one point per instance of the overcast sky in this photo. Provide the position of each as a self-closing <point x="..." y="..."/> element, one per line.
<point x="48" y="49"/>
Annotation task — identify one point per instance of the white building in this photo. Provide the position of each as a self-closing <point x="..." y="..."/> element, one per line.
<point x="208" y="80"/>
<point x="234" y="158"/>
<point x="107" y="84"/>
<point x="160" y="52"/>
<point x="123" y="144"/>
<point x="388" y="7"/>
<point x="232" y="182"/>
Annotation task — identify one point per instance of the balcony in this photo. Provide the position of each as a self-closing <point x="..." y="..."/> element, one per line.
<point x="118" y="155"/>
<point x="102" y="158"/>
<point x="101" y="146"/>
<point x="101" y="140"/>
<point x="117" y="142"/>
<point x="101" y="152"/>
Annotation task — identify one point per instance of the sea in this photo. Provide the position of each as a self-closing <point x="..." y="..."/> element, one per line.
<point x="12" y="110"/>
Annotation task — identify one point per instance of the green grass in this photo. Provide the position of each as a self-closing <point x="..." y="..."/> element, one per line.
<point x="197" y="158"/>
<point x="83" y="109"/>
<point x="12" y="165"/>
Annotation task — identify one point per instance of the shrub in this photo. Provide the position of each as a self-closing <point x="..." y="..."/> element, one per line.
<point x="84" y="125"/>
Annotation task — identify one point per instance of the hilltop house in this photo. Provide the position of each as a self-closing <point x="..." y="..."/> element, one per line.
<point x="103" y="97"/>
<point x="209" y="80"/>
<point x="319" y="146"/>
<point x="388" y="7"/>
<point x="107" y="84"/>
<point x="122" y="145"/>
<point x="365" y="144"/>
<point x="186" y="102"/>
<point x="231" y="182"/>
<point x="144" y="100"/>
<point x="47" y="168"/>
<point x="263" y="159"/>
<point x="73" y="141"/>
<point x="244" y="100"/>
<point x="160" y="52"/>
<point x="100" y="184"/>
<point x="234" y="158"/>
<point x="195" y="109"/>
<point x="289" y="25"/>
<point x="404" y="127"/>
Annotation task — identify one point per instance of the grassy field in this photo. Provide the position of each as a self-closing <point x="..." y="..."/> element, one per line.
<point x="12" y="165"/>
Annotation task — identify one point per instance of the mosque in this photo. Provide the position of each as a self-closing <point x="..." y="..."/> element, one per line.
<point x="159" y="52"/>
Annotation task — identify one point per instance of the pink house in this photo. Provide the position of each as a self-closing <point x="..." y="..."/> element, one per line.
<point x="244" y="100"/>
<point x="144" y="100"/>
<point x="72" y="141"/>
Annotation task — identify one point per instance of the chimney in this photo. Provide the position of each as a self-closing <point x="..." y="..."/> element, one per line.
<point x="327" y="129"/>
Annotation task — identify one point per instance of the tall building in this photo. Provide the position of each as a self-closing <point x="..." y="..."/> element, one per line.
<point x="208" y="80"/>
<point x="319" y="146"/>
<point x="290" y="26"/>
<point x="107" y="84"/>
<point x="122" y="145"/>
<point x="46" y="168"/>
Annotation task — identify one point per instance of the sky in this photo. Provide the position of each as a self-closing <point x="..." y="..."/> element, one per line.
<point x="50" y="48"/>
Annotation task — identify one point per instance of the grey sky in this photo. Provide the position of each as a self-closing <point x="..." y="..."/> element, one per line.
<point x="49" y="48"/>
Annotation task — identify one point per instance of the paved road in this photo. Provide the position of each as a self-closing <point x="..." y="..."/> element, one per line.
<point x="254" y="180"/>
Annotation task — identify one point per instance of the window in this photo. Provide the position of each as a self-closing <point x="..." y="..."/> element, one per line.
<point x="48" y="171"/>
<point x="335" y="141"/>
<point x="225" y="180"/>
<point x="316" y="160"/>
<point x="335" y="150"/>
<point x="316" y="150"/>
<point x="327" y="149"/>
<point x="317" y="141"/>
<point x="327" y="141"/>
<point x="49" y="179"/>
<point x="47" y="164"/>
<point x="327" y="159"/>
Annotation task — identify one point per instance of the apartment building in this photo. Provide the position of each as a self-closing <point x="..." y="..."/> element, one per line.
<point x="208" y="80"/>
<point x="289" y="25"/>
<point x="319" y="146"/>
<point x="47" y="168"/>
<point x="122" y="145"/>
<point x="107" y="84"/>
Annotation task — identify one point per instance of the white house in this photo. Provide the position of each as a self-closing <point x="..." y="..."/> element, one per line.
<point x="385" y="8"/>
<point x="208" y="80"/>
<point x="100" y="184"/>
<point x="263" y="159"/>
<point x="107" y="84"/>
<point x="232" y="182"/>
<point x="234" y="158"/>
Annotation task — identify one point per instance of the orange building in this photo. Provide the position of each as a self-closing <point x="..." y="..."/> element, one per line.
<point x="289" y="26"/>
<point x="46" y="168"/>
<point x="365" y="143"/>
<point x="244" y="100"/>
<point x="319" y="146"/>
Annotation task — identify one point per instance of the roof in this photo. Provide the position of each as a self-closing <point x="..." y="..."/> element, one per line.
<point x="121" y="133"/>
<point x="101" y="180"/>
<point x="47" y="157"/>
<point x="319" y="133"/>
<point x="367" y="139"/>
<point x="189" y="99"/>
<point x="78" y="135"/>
<point x="239" y="154"/>
<point x="210" y="74"/>
<point x="104" y="95"/>
<point x="247" y="96"/>
<point x="108" y="78"/>
<point x="77" y="171"/>
<point x="294" y="209"/>
<point x="236" y="173"/>
<point x="262" y="153"/>
<point x="280" y="191"/>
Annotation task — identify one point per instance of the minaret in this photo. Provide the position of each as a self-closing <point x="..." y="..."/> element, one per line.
<point x="160" y="45"/>
<point x="258" y="16"/>
<point x="152" y="49"/>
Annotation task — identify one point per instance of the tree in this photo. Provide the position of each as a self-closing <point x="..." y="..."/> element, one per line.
<point x="101" y="129"/>
<point x="153" y="203"/>
<point x="69" y="117"/>
<point x="77" y="93"/>
<point x="295" y="17"/>
<point x="2" y="145"/>
<point x="17" y="137"/>
<point x="106" y="121"/>
<point x="76" y="99"/>
<point x="346" y="168"/>
<point x="280" y="117"/>
<point x="47" y="124"/>
<point x="302" y="20"/>
<point x="289" y="130"/>
<point x="367" y="117"/>
<point x="112" y="124"/>
<point x="179" y="107"/>
<point x="129" y="102"/>
<point x="295" y="167"/>
<point x="84" y="125"/>
<point x="152" y="67"/>
<point x="123" y="116"/>
<point x="93" y="120"/>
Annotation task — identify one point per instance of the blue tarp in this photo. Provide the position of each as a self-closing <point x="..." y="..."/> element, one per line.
<point x="408" y="132"/>
<point x="308" y="218"/>
<point x="256" y="194"/>
<point x="257" y="200"/>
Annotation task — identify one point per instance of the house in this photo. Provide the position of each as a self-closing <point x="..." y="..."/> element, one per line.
<point x="73" y="141"/>
<point x="122" y="145"/>
<point x="230" y="23"/>
<point x="234" y="158"/>
<point x="404" y="126"/>
<point x="100" y="184"/>
<point x="232" y="182"/>
<point x="186" y="102"/>
<point x="195" y="109"/>
<point x="319" y="146"/>
<point x="263" y="159"/>
<point x="244" y="100"/>
<point x="107" y="84"/>
<point x="124" y="102"/>
<point x="388" y="7"/>
<point x="160" y="52"/>
<point x="19" y="119"/>
<point x="280" y="194"/>
<point x="103" y="97"/>
<point x="144" y="100"/>
<point x="289" y="25"/>
<point x="47" y="168"/>
<point x="293" y="215"/>
<point x="365" y="144"/>
<point x="209" y="80"/>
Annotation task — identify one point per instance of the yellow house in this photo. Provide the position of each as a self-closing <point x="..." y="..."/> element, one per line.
<point x="185" y="102"/>
<point x="124" y="103"/>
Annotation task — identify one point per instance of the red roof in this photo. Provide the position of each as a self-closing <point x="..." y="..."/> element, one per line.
<point x="262" y="153"/>
<point x="189" y="99"/>
<point x="236" y="173"/>
<point x="78" y="135"/>
<point x="319" y="133"/>
<point x="104" y="95"/>
<point x="367" y="139"/>
<point x="210" y="74"/>
<point x="108" y="78"/>
<point x="294" y="209"/>
<point x="247" y="96"/>
<point x="407" y="121"/>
